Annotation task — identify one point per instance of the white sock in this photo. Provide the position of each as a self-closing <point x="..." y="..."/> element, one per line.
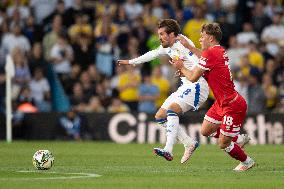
<point x="172" y="130"/>
<point x="181" y="134"/>
<point x="184" y="138"/>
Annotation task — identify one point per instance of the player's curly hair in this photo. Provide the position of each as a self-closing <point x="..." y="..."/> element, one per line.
<point x="212" y="29"/>
<point x="170" y="26"/>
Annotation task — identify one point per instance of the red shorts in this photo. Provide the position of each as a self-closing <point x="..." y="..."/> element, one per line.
<point x="231" y="116"/>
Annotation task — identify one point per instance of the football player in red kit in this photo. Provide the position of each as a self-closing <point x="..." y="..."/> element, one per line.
<point x="229" y="110"/>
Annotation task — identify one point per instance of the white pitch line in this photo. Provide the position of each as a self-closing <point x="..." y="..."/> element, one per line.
<point x="79" y="175"/>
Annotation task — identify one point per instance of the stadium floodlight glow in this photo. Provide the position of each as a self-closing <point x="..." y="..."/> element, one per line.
<point x="10" y="73"/>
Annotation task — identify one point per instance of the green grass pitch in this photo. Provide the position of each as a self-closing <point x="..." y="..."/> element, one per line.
<point x="134" y="166"/>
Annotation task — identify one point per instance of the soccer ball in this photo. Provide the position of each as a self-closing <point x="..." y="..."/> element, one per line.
<point x="43" y="159"/>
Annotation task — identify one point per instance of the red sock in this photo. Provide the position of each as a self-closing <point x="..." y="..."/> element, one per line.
<point x="235" y="138"/>
<point x="236" y="152"/>
<point x="217" y="134"/>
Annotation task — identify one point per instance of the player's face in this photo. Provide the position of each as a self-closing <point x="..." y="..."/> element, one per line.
<point x="204" y="40"/>
<point x="164" y="37"/>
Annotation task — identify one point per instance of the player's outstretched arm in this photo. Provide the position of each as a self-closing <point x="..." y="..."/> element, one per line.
<point x="143" y="58"/>
<point x="193" y="49"/>
<point x="192" y="75"/>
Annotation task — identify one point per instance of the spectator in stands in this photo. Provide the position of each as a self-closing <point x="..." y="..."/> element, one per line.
<point x="270" y="91"/>
<point x="227" y="29"/>
<point x="93" y="74"/>
<point x="241" y="85"/>
<point x="16" y="20"/>
<point x="94" y="105"/>
<point x="15" y="39"/>
<point x="40" y="91"/>
<point x="32" y="31"/>
<point x="259" y="18"/>
<point x="17" y="6"/>
<point x="256" y="95"/>
<point x="105" y="7"/>
<point x="133" y="9"/>
<point x="115" y="79"/>
<point x="162" y="83"/>
<point x="103" y="92"/>
<point x="81" y="27"/>
<point x="22" y="71"/>
<point x="127" y="86"/>
<point x="50" y="38"/>
<point x="78" y="8"/>
<point x="84" y="51"/>
<point x="148" y="94"/>
<point x="270" y="67"/>
<point x="89" y="88"/>
<point x="235" y="53"/>
<point x="141" y="33"/>
<point x="273" y="34"/>
<point x="61" y="55"/>
<point x="255" y="57"/>
<point x="25" y="102"/>
<point x="42" y="8"/>
<point x="278" y="75"/>
<point x="72" y="78"/>
<point x="193" y="27"/>
<point x="247" y="35"/>
<point x="78" y="100"/>
<point x="59" y="10"/>
<point x="272" y="7"/>
<point x="70" y="126"/>
<point x="36" y="59"/>
<point x="117" y="106"/>
<point x="105" y="32"/>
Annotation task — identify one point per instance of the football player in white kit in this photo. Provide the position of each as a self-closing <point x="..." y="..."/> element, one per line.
<point x="189" y="96"/>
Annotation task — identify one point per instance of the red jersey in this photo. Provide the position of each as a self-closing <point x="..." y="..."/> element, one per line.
<point x="218" y="75"/>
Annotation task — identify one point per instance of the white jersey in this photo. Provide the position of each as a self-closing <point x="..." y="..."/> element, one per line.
<point x="177" y="51"/>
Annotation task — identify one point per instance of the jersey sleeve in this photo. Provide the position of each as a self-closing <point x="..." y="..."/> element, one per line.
<point x="148" y="56"/>
<point x="205" y="61"/>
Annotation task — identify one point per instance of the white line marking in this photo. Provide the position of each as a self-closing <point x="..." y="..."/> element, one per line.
<point x="79" y="175"/>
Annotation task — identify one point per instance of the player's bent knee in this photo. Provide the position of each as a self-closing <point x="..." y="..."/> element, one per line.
<point x="161" y="113"/>
<point x="223" y="144"/>
<point x="204" y="132"/>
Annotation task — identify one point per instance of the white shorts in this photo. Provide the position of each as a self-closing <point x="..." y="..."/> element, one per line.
<point x="189" y="96"/>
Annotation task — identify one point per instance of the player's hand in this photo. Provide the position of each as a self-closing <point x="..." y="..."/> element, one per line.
<point x="177" y="63"/>
<point x="123" y="62"/>
<point x="178" y="73"/>
<point x="182" y="40"/>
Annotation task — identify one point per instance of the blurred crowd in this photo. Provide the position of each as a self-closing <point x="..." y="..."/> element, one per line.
<point x="80" y="40"/>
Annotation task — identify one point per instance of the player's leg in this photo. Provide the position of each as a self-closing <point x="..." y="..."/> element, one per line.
<point x="240" y="139"/>
<point x="172" y="131"/>
<point x="235" y="114"/>
<point x="161" y="119"/>
<point x="236" y="152"/>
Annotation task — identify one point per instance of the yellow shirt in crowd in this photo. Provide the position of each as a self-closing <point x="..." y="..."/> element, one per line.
<point x="129" y="94"/>
<point x="164" y="88"/>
